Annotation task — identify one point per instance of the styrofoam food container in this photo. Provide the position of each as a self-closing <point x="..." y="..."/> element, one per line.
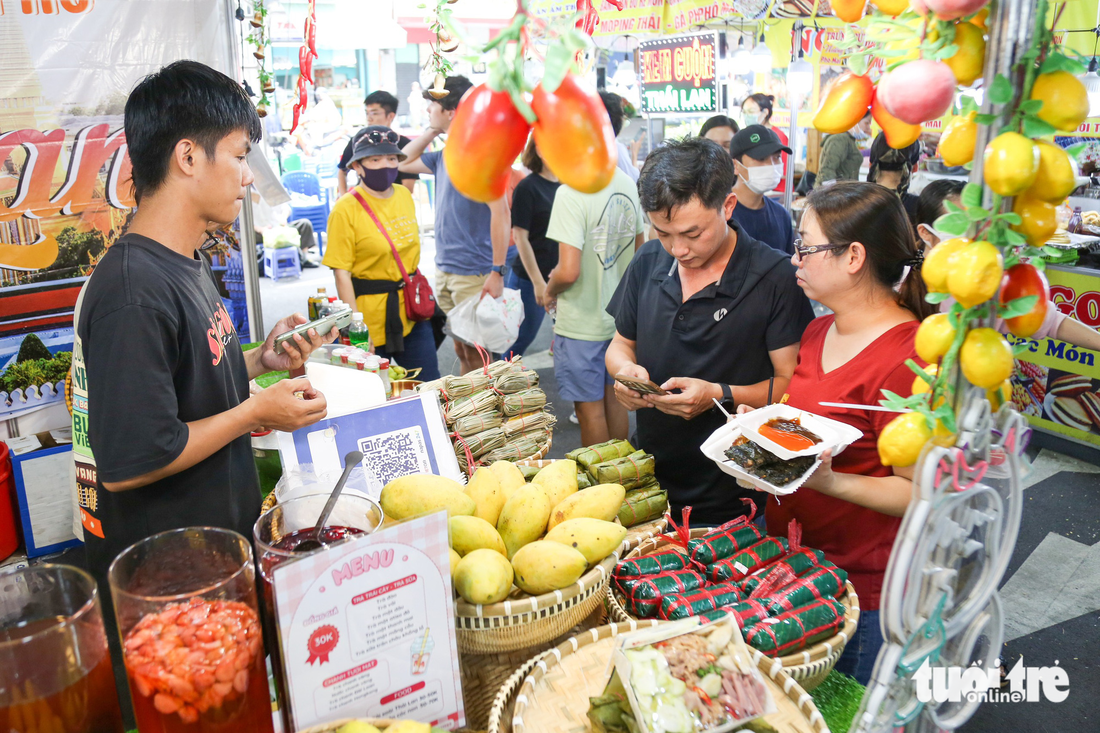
<point x="715" y="448"/>
<point x="833" y="434"/>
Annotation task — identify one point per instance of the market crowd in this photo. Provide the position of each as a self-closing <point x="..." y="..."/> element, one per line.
<point x="685" y="273"/>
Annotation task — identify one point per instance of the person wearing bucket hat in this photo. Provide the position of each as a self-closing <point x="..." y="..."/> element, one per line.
<point x="381" y="108"/>
<point x="758" y="164"/>
<point x="361" y="228"/>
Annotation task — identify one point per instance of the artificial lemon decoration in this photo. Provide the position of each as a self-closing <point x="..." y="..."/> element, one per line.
<point x="975" y="274"/>
<point x="938" y="263"/>
<point x="999" y="395"/>
<point x="967" y="62"/>
<point x="1011" y="164"/>
<point x="891" y="7"/>
<point x="958" y="140"/>
<point x="903" y="439"/>
<point x="1038" y="219"/>
<point x="1065" y="100"/>
<point x="986" y="358"/>
<point x="941" y="436"/>
<point x="919" y="385"/>
<point x="934" y="337"/>
<point x="1056" y="179"/>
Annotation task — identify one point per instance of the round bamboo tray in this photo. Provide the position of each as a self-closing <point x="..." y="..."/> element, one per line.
<point x="523" y="621"/>
<point x="553" y="697"/>
<point x="808" y="667"/>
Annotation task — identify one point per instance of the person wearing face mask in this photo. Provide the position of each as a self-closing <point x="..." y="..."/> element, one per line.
<point x="1056" y="325"/>
<point x="361" y="257"/>
<point x="840" y="155"/>
<point x="757" y="109"/>
<point x="758" y="163"/>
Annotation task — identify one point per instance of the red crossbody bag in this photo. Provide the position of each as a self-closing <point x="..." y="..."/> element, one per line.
<point x="419" y="299"/>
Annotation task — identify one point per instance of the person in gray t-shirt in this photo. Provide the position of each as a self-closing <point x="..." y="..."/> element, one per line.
<point x="471" y="239"/>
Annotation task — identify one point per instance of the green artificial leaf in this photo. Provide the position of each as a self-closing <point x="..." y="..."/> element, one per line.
<point x="952" y="207"/>
<point x="946" y="415"/>
<point x="893" y="401"/>
<point x="919" y="371"/>
<point x="967" y="104"/>
<point x="1039" y="264"/>
<point x="1053" y="63"/>
<point x="1076" y="150"/>
<point x="889" y="53"/>
<point x="559" y="61"/>
<point x="972" y="193"/>
<point x="1031" y="106"/>
<point x="858" y="65"/>
<point x="985" y="119"/>
<point x="946" y="52"/>
<point x="1035" y="127"/>
<point x="1021" y="347"/>
<point x="1010" y="217"/>
<point x="976" y="213"/>
<point x="1018" y="307"/>
<point x="954" y="225"/>
<point x="1000" y="92"/>
<point x="936" y="298"/>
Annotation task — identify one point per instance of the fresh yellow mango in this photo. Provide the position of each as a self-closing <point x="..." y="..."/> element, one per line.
<point x="424" y="493"/>
<point x="357" y="726"/>
<point x="593" y="538"/>
<point x="509" y="476"/>
<point x="602" y="501"/>
<point x="483" y="576"/>
<point x="474" y="533"/>
<point x="455" y="557"/>
<point x="409" y="726"/>
<point x="558" y="480"/>
<point x="523" y="518"/>
<point x="543" y="566"/>
<point x="484" y="489"/>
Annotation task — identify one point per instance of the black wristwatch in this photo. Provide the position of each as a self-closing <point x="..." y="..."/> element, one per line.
<point x="498" y="269"/>
<point x="727" y="398"/>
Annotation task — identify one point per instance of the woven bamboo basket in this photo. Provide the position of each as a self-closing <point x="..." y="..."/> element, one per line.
<point x="808" y="667"/>
<point x="523" y="621"/>
<point x="553" y="695"/>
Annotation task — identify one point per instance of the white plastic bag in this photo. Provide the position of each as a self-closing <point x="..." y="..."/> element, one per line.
<point x="491" y="322"/>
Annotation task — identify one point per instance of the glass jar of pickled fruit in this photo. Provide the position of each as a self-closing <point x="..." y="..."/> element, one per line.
<point x="187" y="613"/>
<point x="55" y="670"/>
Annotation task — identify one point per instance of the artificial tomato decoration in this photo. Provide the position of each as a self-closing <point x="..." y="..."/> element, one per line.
<point x="574" y="135"/>
<point x="898" y="134"/>
<point x="845" y="105"/>
<point x="1021" y="281"/>
<point x="485" y="137"/>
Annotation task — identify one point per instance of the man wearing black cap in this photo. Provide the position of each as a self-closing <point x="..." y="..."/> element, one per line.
<point x="758" y="163"/>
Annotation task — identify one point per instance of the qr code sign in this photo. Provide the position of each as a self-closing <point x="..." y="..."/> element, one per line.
<point x="393" y="455"/>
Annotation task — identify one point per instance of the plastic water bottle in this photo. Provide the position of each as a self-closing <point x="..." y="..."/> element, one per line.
<point x="358" y="333"/>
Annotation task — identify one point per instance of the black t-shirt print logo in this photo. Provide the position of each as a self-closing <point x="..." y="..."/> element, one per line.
<point x="615" y="230"/>
<point x="220" y="333"/>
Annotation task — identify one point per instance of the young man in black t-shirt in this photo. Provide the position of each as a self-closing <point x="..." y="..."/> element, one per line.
<point x="381" y="110"/>
<point x="168" y="411"/>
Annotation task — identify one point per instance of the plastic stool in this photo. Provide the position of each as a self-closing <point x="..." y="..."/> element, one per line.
<point x="282" y="262"/>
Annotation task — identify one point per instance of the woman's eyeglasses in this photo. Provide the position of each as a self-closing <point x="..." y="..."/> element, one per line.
<point x="377" y="137"/>
<point x="805" y="250"/>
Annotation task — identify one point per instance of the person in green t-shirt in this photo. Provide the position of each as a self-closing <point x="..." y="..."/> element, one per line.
<point x="597" y="235"/>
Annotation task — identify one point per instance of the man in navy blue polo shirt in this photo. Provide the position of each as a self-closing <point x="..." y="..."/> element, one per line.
<point x="706" y="311"/>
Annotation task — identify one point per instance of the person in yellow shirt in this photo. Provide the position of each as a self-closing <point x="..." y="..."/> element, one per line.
<point x="362" y="259"/>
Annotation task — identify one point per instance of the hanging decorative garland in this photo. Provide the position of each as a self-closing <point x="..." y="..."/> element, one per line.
<point x="306" y="54"/>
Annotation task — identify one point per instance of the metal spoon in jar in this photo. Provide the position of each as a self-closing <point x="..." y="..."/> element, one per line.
<point x="351" y="460"/>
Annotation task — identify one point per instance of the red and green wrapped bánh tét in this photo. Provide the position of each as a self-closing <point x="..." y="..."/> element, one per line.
<point x="797" y="563"/>
<point x="642" y="607"/>
<point x="795" y="630"/>
<point x="684" y="605"/>
<point x="711" y="548"/>
<point x="826" y="581"/>
<point x="737" y="567"/>
<point x="663" y="584"/>
<point x="658" y="562"/>
<point x="746" y="613"/>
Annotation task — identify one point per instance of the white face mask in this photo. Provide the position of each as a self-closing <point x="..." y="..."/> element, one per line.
<point x="933" y="234"/>
<point x="762" y="179"/>
<point x="859" y="133"/>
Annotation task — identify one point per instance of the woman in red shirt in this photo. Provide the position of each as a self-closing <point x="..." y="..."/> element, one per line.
<point x="856" y="245"/>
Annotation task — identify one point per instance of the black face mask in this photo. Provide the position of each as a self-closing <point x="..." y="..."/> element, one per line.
<point x="377" y="179"/>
